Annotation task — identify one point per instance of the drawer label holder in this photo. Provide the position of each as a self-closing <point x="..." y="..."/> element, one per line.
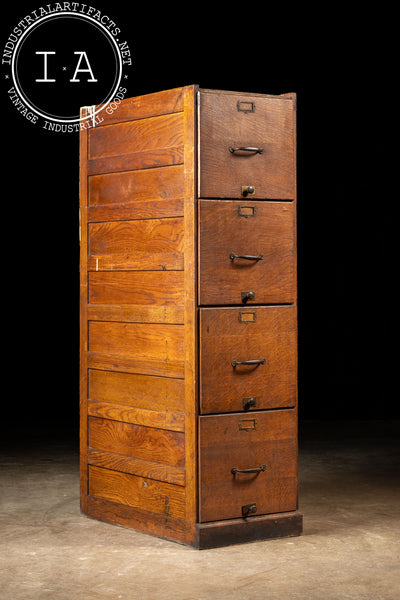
<point x="247" y="316"/>
<point x="246" y="106"/>
<point x="247" y="425"/>
<point x="247" y="211"/>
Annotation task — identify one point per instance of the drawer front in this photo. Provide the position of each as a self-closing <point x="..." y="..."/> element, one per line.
<point x="246" y="141"/>
<point x="264" y="443"/>
<point x="267" y="336"/>
<point x="264" y="232"/>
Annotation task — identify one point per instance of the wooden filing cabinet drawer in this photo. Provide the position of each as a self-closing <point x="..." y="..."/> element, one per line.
<point x="265" y="334"/>
<point x="264" y="443"/>
<point x="263" y="232"/>
<point x="246" y="140"/>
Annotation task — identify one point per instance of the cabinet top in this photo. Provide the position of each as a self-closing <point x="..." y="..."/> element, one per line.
<point x="159" y="103"/>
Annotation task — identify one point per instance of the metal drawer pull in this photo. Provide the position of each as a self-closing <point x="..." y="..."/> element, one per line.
<point x="261" y="361"/>
<point x="235" y="470"/>
<point x="232" y="256"/>
<point x="232" y="150"/>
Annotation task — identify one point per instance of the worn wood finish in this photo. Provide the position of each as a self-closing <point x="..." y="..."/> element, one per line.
<point x="144" y="520"/>
<point x="164" y="183"/>
<point x="137" y="466"/>
<point x="157" y="340"/>
<point x="252" y="529"/>
<point x="190" y="316"/>
<point x="138" y="245"/>
<point x="144" y="365"/>
<point x="147" y="443"/>
<point x="153" y="263"/>
<point x="165" y="131"/>
<point x="150" y="105"/>
<point x="270" y="127"/>
<point x="137" y="303"/>
<point x="138" y="416"/>
<point x="247" y="442"/>
<point x="146" y="159"/>
<point x="150" y="288"/>
<point x="241" y="334"/>
<point x="147" y="392"/>
<point x="138" y="492"/>
<point x="132" y="313"/>
<point x="140" y="194"/>
<point x="246" y="228"/>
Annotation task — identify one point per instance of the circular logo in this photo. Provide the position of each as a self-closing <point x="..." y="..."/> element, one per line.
<point x="61" y="60"/>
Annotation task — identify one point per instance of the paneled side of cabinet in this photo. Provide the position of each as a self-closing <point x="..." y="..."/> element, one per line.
<point x="138" y="325"/>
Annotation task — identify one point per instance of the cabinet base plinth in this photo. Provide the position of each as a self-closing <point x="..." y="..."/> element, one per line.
<point x="252" y="529"/>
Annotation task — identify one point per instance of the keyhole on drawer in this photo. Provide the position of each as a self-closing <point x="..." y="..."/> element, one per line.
<point x="245" y="296"/>
<point x="248" y="190"/>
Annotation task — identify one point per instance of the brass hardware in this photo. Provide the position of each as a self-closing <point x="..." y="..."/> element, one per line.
<point x="248" y="190"/>
<point x="247" y="296"/>
<point x="248" y="509"/>
<point x="252" y="149"/>
<point x="232" y="256"/>
<point x="248" y="403"/>
<point x="247" y="317"/>
<point x="235" y="363"/>
<point x="247" y="211"/>
<point x="246" y="106"/>
<point x="234" y="470"/>
<point x="247" y="424"/>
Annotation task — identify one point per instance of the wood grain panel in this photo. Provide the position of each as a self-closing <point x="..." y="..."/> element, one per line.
<point x="144" y="244"/>
<point x="138" y="313"/>
<point x="148" y="105"/>
<point x="147" y="443"/>
<point x="148" y="365"/>
<point x="140" y="519"/>
<point x="150" y="235"/>
<point x="246" y="442"/>
<point x="137" y="466"/>
<point x="159" y="157"/>
<point x="157" y="340"/>
<point x="146" y="494"/>
<point x="191" y="323"/>
<point x="155" y="288"/>
<point x="137" y="261"/>
<point x="141" y="391"/>
<point x="137" y="416"/>
<point x="149" y="209"/>
<point x="165" y="131"/>
<point x="148" y="184"/>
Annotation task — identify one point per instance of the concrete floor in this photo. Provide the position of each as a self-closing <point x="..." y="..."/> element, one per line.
<point x="350" y="548"/>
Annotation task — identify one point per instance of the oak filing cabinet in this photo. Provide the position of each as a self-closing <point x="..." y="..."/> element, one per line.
<point x="189" y="318"/>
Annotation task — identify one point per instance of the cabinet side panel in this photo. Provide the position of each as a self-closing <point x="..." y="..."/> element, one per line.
<point x="134" y="313"/>
<point x="190" y="311"/>
<point x="83" y="374"/>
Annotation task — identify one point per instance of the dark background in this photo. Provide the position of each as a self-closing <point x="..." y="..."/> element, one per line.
<point x="341" y="63"/>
